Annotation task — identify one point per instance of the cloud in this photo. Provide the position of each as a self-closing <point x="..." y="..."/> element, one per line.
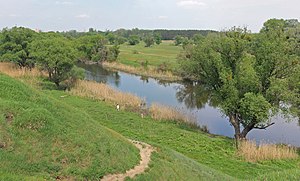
<point x="82" y="16"/>
<point x="64" y="2"/>
<point x="189" y="4"/>
<point x="162" y="17"/>
<point x="13" y="15"/>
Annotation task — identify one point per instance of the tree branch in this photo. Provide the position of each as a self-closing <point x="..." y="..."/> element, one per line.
<point x="263" y="126"/>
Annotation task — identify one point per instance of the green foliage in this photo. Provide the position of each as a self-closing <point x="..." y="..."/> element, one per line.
<point x="75" y="74"/>
<point x="90" y="45"/>
<point x="111" y="38"/>
<point x="133" y="40"/>
<point x="54" y="55"/>
<point x="14" y="45"/>
<point x="178" y="40"/>
<point x="149" y="40"/>
<point x="251" y="75"/>
<point x="114" y="52"/>
<point x="198" y="38"/>
<point x="120" y="40"/>
<point x="157" y="38"/>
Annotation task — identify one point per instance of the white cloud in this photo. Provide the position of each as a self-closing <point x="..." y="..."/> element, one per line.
<point x="188" y="4"/>
<point x="162" y="17"/>
<point x="82" y="16"/>
<point x="63" y="2"/>
<point x="13" y="15"/>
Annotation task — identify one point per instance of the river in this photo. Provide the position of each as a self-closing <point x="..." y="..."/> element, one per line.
<point x="194" y="100"/>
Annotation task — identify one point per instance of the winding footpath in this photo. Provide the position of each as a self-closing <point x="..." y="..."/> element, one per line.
<point x="145" y="153"/>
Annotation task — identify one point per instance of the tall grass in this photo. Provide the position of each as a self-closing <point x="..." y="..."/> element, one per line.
<point x="16" y="72"/>
<point x="23" y="74"/>
<point x="150" y="71"/>
<point x="103" y="92"/>
<point x="253" y="153"/>
<point x="162" y="112"/>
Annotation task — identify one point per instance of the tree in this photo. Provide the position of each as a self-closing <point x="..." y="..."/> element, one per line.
<point x="157" y="38"/>
<point x="111" y="38"/>
<point x="14" y="46"/>
<point x="89" y="46"/>
<point x="54" y="55"/>
<point x="133" y="40"/>
<point x="114" y="52"/>
<point x="178" y="40"/>
<point x="250" y="76"/>
<point x="149" y="40"/>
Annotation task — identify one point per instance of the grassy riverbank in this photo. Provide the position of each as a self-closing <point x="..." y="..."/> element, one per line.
<point x="216" y="152"/>
<point x="53" y="133"/>
<point x="157" y="61"/>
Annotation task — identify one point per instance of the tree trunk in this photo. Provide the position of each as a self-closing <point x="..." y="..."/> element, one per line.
<point x="236" y="125"/>
<point x="247" y="129"/>
<point x="56" y="83"/>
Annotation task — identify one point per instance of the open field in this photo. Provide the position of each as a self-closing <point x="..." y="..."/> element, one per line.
<point x="155" y="55"/>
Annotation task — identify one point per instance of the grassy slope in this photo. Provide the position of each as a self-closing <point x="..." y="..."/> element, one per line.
<point x="56" y="142"/>
<point x="166" y="164"/>
<point x="215" y="152"/>
<point x="48" y="138"/>
<point x="155" y="55"/>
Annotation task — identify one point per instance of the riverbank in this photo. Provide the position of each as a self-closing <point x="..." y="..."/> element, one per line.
<point x="183" y="153"/>
<point x="151" y="72"/>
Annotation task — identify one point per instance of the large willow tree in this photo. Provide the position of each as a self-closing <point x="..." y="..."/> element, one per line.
<point x="253" y="76"/>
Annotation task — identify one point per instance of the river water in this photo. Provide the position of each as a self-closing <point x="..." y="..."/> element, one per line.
<point x="194" y="100"/>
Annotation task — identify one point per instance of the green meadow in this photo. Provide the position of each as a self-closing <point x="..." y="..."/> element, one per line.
<point x="136" y="55"/>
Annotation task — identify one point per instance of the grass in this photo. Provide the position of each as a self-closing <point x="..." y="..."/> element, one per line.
<point x="157" y="61"/>
<point x="103" y="92"/>
<point x="150" y="71"/>
<point x="253" y="153"/>
<point x="162" y="112"/>
<point x="216" y="152"/>
<point x="45" y="138"/>
<point x="55" y="134"/>
<point x="155" y="55"/>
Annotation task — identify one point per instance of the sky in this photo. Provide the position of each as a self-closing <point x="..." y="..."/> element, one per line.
<point x="80" y="15"/>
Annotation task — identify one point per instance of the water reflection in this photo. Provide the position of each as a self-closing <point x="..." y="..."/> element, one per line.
<point x="193" y="98"/>
<point x="195" y="95"/>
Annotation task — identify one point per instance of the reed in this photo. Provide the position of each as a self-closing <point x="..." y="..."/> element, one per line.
<point x="162" y="112"/>
<point x="23" y="74"/>
<point x="253" y="153"/>
<point x="150" y="71"/>
<point x="16" y="72"/>
<point x="103" y="92"/>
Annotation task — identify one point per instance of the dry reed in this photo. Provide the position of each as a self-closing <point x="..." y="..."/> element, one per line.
<point x="161" y="112"/>
<point x="149" y="72"/>
<point x="16" y="72"/>
<point x="253" y="153"/>
<point x="23" y="74"/>
<point x="100" y="91"/>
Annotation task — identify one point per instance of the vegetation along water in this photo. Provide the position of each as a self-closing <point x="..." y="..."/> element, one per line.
<point x="212" y="92"/>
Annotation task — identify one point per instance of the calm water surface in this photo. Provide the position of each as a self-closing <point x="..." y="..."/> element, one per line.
<point x="193" y="99"/>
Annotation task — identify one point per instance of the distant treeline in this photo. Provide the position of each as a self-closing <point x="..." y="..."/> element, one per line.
<point x="165" y="34"/>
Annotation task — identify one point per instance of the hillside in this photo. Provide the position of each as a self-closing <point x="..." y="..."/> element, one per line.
<point x="42" y="137"/>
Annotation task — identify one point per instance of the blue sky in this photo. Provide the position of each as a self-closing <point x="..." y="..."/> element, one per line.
<point x="147" y="14"/>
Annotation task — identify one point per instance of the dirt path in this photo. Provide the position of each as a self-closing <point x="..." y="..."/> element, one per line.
<point x="145" y="153"/>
